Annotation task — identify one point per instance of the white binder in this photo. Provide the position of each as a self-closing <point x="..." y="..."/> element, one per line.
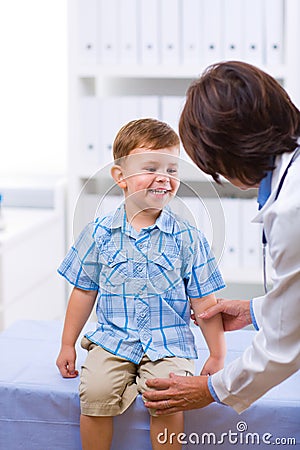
<point x="110" y="122"/>
<point x="253" y="25"/>
<point x="231" y="259"/>
<point x="128" y="32"/>
<point x="233" y="30"/>
<point x="87" y="30"/>
<point x="212" y="31"/>
<point x="251" y="236"/>
<point x="90" y="132"/>
<point x="192" y="16"/>
<point x="171" y="107"/>
<point x="169" y="31"/>
<point x="148" y="106"/>
<point x="149" y="31"/>
<point x="108" y="20"/>
<point x="274" y="15"/>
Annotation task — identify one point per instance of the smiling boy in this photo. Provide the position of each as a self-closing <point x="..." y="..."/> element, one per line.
<point x="145" y="266"/>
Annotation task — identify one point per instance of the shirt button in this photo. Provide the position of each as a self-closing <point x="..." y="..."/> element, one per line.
<point x="140" y="268"/>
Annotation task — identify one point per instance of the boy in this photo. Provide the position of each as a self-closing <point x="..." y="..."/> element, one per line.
<point x="142" y="264"/>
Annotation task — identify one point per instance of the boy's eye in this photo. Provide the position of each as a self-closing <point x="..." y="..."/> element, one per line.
<point x="172" y="170"/>
<point x="150" y="169"/>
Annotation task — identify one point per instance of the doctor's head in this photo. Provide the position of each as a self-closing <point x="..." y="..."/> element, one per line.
<point x="235" y="119"/>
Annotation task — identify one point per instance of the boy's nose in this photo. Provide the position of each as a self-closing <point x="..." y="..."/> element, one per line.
<point x="162" y="177"/>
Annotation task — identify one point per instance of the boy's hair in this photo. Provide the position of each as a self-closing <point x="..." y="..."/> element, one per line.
<point x="148" y="133"/>
<point x="235" y="119"/>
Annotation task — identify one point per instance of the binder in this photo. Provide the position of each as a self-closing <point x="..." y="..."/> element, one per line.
<point x="231" y="259"/>
<point x="213" y="225"/>
<point x="233" y="30"/>
<point x="90" y="131"/>
<point x="110" y="122"/>
<point x="108" y="19"/>
<point x="149" y="31"/>
<point x="253" y="26"/>
<point x="128" y="32"/>
<point x="251" y="236"/>
<point x="169" y="31"/>
<point x="148" y="106"/>
<point x="128" y="109"/>
<point x="171" y="107"/>
<point x="87" y="30"/>
<point x="191" y="32"/>
<point x="274" y="16"/>
<point x="212" y="31"/>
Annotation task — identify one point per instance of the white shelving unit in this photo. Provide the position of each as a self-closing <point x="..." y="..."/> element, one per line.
<point x="126" y="52"/>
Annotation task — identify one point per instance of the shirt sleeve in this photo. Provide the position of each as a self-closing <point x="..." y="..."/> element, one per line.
<point x="274" y="354"/>
<point x="81" y="265"/>
<point x="203" y="275"/>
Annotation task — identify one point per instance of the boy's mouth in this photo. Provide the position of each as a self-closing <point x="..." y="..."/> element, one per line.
<point x="158" y="191"/>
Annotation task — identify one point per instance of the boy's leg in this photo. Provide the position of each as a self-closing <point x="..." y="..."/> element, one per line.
<point x="96" y="432"/>
<point x="164" y="431"/>
<point x="107" y="388"/>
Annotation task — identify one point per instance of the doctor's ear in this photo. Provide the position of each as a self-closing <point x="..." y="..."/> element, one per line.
<point x="117" y="174"/>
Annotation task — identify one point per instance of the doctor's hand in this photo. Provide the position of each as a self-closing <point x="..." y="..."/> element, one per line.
<point x="66" y="361"/>
<point x="177" y="393"/>
<point x="235" y="313"/>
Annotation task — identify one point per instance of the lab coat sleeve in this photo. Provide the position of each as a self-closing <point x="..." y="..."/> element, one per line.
<point x="275" y="351"/>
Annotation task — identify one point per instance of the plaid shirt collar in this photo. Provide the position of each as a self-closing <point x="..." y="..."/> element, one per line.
<point x="165" y="221"/>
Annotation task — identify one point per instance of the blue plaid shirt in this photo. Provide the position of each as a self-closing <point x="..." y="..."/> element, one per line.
<point x="143" y="281"/>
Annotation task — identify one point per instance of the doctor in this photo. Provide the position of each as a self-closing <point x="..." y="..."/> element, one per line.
<point x="238" y="122"/>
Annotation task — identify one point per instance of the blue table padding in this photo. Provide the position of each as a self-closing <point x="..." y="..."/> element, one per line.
<point x="39" y="410"/>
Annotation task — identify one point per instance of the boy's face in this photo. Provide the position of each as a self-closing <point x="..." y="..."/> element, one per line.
<point x="149" y="178"/>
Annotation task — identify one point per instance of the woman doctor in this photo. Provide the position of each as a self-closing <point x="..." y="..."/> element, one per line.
<point x="238" y="122"/>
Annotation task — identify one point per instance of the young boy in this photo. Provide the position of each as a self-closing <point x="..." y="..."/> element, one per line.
<point x="143" y="264"/>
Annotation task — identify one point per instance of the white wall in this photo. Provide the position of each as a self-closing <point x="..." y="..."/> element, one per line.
<point x="33" y="86"/>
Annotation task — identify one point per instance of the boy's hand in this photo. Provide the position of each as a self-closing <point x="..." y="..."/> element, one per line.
<point x="66" y="361"/>
<point x="212" y="365"/>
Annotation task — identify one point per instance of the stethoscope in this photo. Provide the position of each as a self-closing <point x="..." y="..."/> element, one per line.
<point x="264" y="239"/>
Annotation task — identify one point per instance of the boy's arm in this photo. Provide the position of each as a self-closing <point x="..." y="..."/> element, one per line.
<point x="80" y="306"/>
<point x="213" y="333"/>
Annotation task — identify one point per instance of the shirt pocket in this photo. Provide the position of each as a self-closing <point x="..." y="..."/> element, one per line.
<point x="165" y="272"/>
<point x="114" y="270"/>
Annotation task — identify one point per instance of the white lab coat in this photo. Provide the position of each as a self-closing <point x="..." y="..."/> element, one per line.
<point x="275" y="351"/>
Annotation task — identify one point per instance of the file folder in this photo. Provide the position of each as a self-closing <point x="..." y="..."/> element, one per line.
<point x="231" y="259"/>
<point x="90" y="132"/>
<point x="87" y="31"/>
<point x="128" y="32"/>
<point x="192" y="17"/>
<point x="253" y="31"/>
<point x="213" y="17"/>
<point x="149" y="31"/>
<point x="108" y="20"/>
<point x="233" y="30"/>
<point x="251" y="236"/>
<point x="169" y="31"/>
<point x="274" y="17"/>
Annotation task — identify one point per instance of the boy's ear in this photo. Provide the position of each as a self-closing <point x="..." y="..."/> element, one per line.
<point x="117" y="174"/>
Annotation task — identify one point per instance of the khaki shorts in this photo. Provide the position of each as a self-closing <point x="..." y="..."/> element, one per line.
<point x="109" y="384"/>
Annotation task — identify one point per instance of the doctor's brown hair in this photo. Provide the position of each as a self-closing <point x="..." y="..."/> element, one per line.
<point x="236" y="117"/>
<point x="143" y="133"/>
